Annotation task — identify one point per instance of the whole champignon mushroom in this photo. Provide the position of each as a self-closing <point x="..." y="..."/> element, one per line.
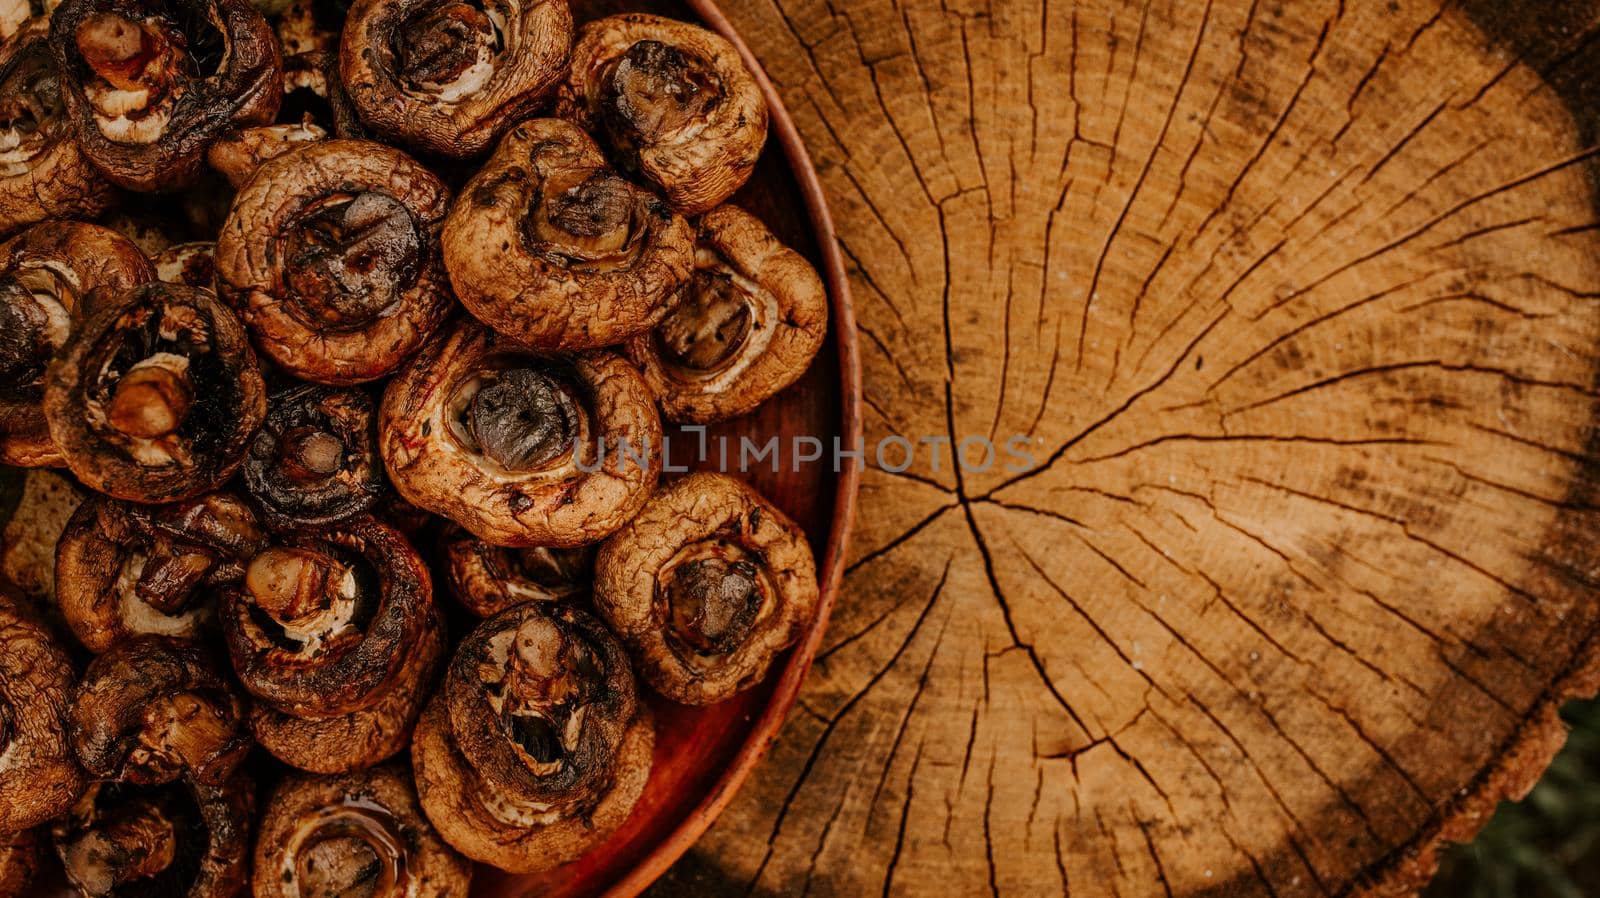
<point x="331" y="254"/>
<point x="673" y="101"/>
<point x="488" y="579"/>
<point x="706" y="586"/>
<point x="336" y="635"/>
<point x="356" y="834"/>
<point x="182" y="838"/>
<point x="19" y="861"/>
<point x="554" y="249"/>
<point x="46" y="274"/>
<point x="191" y="264"/>
<point x="746" y="325"/>
<point x="446" y="76"/>
<point x="535" y="748"/>
<point x="522" y="450"/>
<point x="39" y="777"/>
<point x="315" y="459"/>
<point x="155" y="396"/>
<point x="125" y="570"/>
<point x="153" y="710"/>
<point x="43" y="174"/>
<point x="152" y="84"/>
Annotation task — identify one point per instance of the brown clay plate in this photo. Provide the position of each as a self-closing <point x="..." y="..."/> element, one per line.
<point x="703" y="754"/>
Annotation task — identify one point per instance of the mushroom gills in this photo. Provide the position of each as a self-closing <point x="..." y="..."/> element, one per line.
<point x="350" y="258"/>
<point x="447" y="52"/>
<point x="714" y="593"/>
<point x="587" y="219"/>
<point x="31" y="107"/>
<point x="656" y="92"/>
<point x="305" y="598"/>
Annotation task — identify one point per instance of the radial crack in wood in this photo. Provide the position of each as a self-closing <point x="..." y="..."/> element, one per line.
<point x="1299" y="306"/>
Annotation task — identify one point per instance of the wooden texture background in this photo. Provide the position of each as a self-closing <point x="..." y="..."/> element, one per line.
<point x="1299" y="303"/>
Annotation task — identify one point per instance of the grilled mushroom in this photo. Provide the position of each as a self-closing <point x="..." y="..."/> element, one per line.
<point x="315" y="107"/>
<point x="553" y="249"/>
<point x="706" y="586"/>
<point x="446" y="76"/>
<point x="39" y="777"/>
<point x="151" y="83"/>
<point x="336" y="634"/>
<point x="155" y="396"/>
<point x="180" y="838"/>
<point x="315" y="461"/>
<point x="745" y="326"/>
<point x="521" y="450"/>
<point x="46" y="273"/>
<point x="125" y="570"/>
<point x="536" y="747"/>
<point x="153" y="710"/>
<point x="43" y="175"/>
<point x="332" y="256"/>
<point x="673" y="101"/>
<point x="19" y="861"/>
<point x="360" y="834"/>
<point x="488" y="579"/>
<point x="192" y="264"/>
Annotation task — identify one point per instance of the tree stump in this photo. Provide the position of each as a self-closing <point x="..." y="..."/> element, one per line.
<point x="1299" y="304"/>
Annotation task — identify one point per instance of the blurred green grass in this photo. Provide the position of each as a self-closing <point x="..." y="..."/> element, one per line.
<point x="1546" y="846"/>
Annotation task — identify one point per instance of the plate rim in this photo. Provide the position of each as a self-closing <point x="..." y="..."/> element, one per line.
<point x="667" y="851"/>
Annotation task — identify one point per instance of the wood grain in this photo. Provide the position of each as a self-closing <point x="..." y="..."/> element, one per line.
<point x="1299" y="303"/>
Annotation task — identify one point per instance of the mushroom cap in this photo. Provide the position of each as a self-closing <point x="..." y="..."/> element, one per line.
<point x="245" y="89"/>
<point x="361" y="738"/>
<point x="315" y="459"/>
<point x="152" y="709"/>
<point x="696" y="517"/>
<point x="53" y="179"/>
<point x="238" y="155"/>
<point x="698" y="164"/>
<point x="783" y="307"/>
<point x="349" y="660"/>
<point x="56" y="265"/>
<point x="531" y="799"/>
<point x="307" y="335"/>
<point x="531" y="290"/>
<point x="39" y="776"/>
<point x="108" y="579"/>
<point x="488" y="579"/>
<point x="460" y="117"/>
<point x="176" y="324"/>
<point x="435" y="462"/>
<point x="337" y="827"/>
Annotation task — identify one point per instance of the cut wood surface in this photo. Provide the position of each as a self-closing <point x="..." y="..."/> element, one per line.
<point x="1299" y="304"/>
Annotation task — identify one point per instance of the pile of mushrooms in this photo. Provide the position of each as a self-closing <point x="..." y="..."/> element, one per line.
<point x="352" y="323"/>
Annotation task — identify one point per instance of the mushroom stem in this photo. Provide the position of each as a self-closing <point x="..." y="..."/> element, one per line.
<point x="310" y="455"/>
<point x="151" y="401"/>
<point x="292" y="584"/>
<point x="713" y="603"/>
<point x="138" y="842"/>
<point x="117" y="49"/>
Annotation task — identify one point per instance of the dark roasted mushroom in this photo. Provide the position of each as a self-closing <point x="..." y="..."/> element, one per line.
<point x="519" y="449"/>
<point x="488" y="579"/>
<point x="151" y="83"/>
<point x="336" y="634"/>
<point x="181" y="838"/>
<point x="315" y="107"/>
<point x="19" y="861"/>
<point x="39" y="777"/>
<point x="43" y="174"/>
<point x="125" y="570"/>
<point x="536" y="747"/>
<point x="155" y="396"/>
<point x="745" y="326"/>
<point x="47" y="501"/>
<point x="360" y="834"/>
<point x="332" y="256"/>
<point x="46" y="273"/>
<point x="240" y="154"/>
<point x="672" y="100"/>
<point x="446" y="76"/>
<point x="706" y="586"/>
<point x="192" y="264"/>
<point x="153" y="710"/>
<point x="554" y="249"/>
<point x="315" y="460"/>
